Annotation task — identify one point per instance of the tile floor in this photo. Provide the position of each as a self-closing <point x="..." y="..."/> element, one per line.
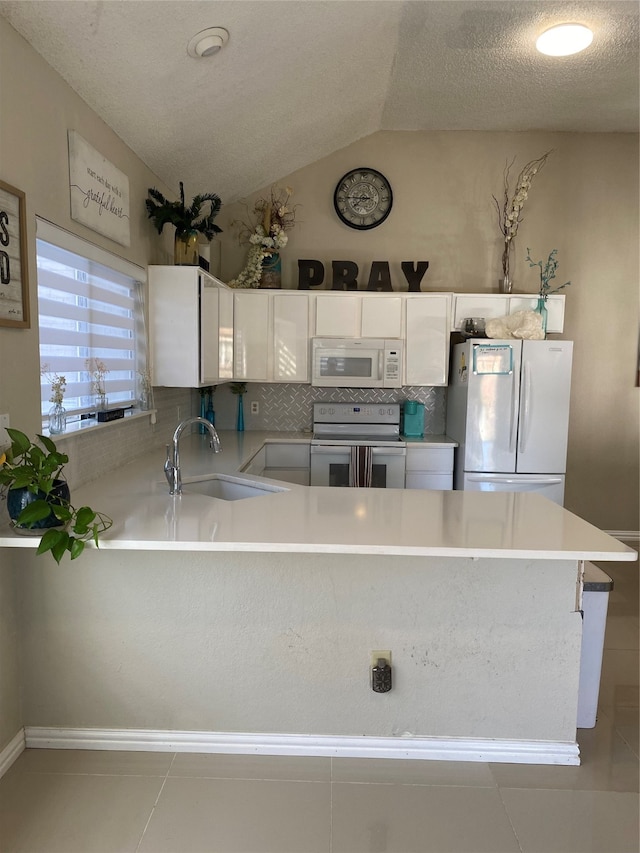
<point x="68" y="800"/>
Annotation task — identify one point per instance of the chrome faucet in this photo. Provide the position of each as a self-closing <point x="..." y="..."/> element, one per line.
<point x="172" y="462"/>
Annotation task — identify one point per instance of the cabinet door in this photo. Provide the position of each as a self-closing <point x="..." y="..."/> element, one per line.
<point x="427" y="339"/>
<point x="337" y="315"/>
<point x="290" y="337"/>
<point x="225" y="333"/>
<point x="251" y="362"/>
<point x="438" y="460"/>
<point x="174" y="326"/>
<point x="381" y="316"/>
<point x="433" y="482"/>
<point x="208" y="332"/>
<point x="487" y="305"/>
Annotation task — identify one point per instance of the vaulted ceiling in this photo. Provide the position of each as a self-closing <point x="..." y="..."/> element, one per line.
<point x="299" y="79"/>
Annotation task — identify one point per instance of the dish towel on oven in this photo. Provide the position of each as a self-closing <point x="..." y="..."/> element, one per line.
<point x="361" y="467"/>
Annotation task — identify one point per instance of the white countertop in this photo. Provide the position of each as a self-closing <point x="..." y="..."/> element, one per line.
<point x="324" y="520"/>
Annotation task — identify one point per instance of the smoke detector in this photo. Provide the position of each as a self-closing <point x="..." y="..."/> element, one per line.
<point x="207" y="42"/>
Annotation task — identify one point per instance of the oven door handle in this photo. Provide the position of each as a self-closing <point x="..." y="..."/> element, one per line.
<point x="346" y="448"/>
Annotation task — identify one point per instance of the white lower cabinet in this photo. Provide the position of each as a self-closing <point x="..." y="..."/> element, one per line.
<point x="270" y="336"/>
<point x="288" y="462"/>
<point x="429" y="468"/>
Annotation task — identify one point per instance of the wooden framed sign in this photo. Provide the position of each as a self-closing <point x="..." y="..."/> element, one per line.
<point x="14" y="279"/>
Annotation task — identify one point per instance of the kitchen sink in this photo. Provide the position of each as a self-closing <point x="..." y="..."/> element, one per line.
<point x="229" y="488"/>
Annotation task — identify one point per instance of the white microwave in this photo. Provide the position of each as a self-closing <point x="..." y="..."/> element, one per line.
<point x="356" y="362"/>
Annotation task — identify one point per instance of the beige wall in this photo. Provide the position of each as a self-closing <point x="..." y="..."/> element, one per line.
<point x="37" y="109"/>
<point x="583" y="203"/>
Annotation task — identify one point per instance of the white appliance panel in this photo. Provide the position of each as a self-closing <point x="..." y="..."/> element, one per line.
<point x="544" y="406"/>
<point x="549" y="486"/>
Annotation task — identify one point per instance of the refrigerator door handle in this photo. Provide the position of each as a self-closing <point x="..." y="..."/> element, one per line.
<point x="514" y="415"/>
<point x="481" y="478"/>
<point x="526" y="406"/>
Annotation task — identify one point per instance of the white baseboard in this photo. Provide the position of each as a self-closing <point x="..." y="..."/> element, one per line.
<point x="440" y="749"/>
<point x="11" y="751"/>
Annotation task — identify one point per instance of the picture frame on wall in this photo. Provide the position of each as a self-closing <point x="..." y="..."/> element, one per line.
<point x="14" y="278"/>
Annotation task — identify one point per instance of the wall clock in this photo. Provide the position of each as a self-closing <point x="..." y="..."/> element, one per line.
<point x="363" y="198"/>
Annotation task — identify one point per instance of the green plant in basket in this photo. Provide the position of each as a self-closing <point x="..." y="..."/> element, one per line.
<point x="38" y="497"/>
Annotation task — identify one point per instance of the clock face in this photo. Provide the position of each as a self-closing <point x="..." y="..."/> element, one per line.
<point x="363" y="198"/>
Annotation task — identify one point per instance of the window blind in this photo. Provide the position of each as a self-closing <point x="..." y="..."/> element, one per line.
<point x="88" y="312"/>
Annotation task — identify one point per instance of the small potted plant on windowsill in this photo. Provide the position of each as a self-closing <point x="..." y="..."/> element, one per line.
<point x="188" y="221"/>
<point x="38" y="497"/>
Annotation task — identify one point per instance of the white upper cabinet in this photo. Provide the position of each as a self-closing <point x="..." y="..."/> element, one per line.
<point x="251" y="324"/>
<point x="381" y="316"/>
<point x="357" y="315"/>
<point x="184" y="327"/>
<point x="337" y="315"/>
<point x="271" y="336"/>
<point x="492" y="305"/>
<point x="427" y="326"/>
<point x="290" y="337"/>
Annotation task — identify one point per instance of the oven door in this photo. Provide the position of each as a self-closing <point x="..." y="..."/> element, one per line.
<point x="330" y="466"/>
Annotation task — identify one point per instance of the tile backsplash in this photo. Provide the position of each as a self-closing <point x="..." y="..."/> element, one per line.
<point x="289" y="406"/>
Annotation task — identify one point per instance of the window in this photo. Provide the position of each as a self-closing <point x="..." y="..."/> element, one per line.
<point x="90" y="310"/>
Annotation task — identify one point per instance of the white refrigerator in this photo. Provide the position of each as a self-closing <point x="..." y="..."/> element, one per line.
<point x="508" y="409"/>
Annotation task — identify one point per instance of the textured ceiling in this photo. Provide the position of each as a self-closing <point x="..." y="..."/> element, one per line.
<point x="300" y="79"/>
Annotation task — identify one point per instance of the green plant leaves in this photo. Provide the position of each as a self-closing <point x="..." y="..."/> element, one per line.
<point x="183" y="218"/>
<point x="37" y="468"/>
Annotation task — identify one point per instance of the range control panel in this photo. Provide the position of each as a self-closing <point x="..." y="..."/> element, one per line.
<point x="356" y="413"/>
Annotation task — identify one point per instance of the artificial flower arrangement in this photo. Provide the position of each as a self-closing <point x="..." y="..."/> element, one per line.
<point x="510" y="210"/>
<point x="98" y="371"/>
<point x="265" y="232"/>
<point x="58" y="385"/>
<point x="547" y="274"/>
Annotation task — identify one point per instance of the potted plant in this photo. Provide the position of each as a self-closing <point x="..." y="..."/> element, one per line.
<point x="188" y="221"/>
<point x="38" y="497"/>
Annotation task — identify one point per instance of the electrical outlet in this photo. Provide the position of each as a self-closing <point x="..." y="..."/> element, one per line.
<point x="376" y="655"/>
<point x="255" y="407"/>
<point x="4" y="438"/>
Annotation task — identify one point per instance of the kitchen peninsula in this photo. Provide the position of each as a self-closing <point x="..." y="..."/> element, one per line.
<point x="248" y="625"/>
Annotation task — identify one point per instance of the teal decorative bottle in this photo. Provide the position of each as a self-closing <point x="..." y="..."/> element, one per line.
<point x="541" y="309"/>
<point x="240" y="423"/>
<point x="210" y="414"/>
<point x="203" y="412"/>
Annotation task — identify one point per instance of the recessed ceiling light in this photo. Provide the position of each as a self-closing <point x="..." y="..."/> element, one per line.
<point x="564" y="40"/>
<point x="207" y="42"/>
